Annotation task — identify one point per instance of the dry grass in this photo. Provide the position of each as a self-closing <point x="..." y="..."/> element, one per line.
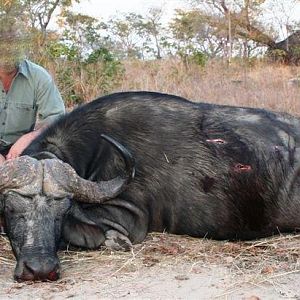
<point x="253" y="262"/>
<point x="269" y="257"/>
<point x="6" y="255"/>
<point x="264" y="86"/>
<point x="261" y="85"/>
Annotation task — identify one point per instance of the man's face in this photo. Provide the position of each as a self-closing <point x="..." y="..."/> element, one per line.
<point x="13" y="43"/>
<point x="10" y="56"/>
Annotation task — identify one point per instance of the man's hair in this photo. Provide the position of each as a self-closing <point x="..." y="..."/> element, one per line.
<point x="13" y="42"/>
<point x="11" y="28"/>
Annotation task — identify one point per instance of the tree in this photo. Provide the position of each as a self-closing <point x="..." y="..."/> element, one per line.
<point x="242" y="19"/>
<point x="81" y="33"/>
<point x="192" y="35"/>
<point x="136" y="36"/>
<point x="40" y="13"/>
<point x="36" y="13"/>
<point x="152" y="31"/>
<point x="9" y="7"/>
<point x="124" y="31"/>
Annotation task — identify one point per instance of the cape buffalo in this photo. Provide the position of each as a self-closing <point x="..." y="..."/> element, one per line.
<point x="201" y="169"/>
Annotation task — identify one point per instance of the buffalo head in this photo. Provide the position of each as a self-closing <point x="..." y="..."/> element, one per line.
<point x="36" y="195"/>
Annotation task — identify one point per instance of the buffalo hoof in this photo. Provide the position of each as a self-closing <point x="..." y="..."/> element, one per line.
<point x="117" y="241"/>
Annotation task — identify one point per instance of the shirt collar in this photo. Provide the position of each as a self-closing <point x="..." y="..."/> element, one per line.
<point x="23" y="68"/>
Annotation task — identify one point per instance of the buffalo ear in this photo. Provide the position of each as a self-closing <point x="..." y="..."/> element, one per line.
<point x="2" y="225"/>
<point x="80" y="231"/>
<point x="2" y="220"/>
<point x="1" y="204"/>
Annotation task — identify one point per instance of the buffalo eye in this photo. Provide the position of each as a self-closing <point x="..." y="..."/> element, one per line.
<point x="9" y="210"/>
<point x="57" y="220"/>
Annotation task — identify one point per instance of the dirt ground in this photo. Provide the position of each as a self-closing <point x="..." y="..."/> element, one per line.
<point x="169" y="267"/>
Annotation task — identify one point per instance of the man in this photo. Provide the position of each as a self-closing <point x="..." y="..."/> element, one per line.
<point x="29" y="98"/>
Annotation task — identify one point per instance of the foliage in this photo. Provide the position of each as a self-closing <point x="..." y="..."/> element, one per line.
<point x="81" y="32"/>
<point x="243" y="24"/>
<point x="87" y="55"/>
<point x="78" y="81"/>
<point x="296" y="51"/>
<point x="199" y="58"/>
<point x="191" y="34"/>
<point x="124" y="31"/>
<point x="153" y="33"/>
<point x="101" y="54"/>
<point x="57" y="49"/>
<point x="37" y="14"/>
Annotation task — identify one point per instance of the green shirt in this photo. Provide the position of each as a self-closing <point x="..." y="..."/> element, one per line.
<point x="33" y="97"/>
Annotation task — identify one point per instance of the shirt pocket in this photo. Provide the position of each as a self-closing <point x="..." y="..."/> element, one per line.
<point x="20" y="117"/>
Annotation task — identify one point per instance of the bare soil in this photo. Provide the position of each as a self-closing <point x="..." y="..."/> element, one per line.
<point x="169" y="267"/>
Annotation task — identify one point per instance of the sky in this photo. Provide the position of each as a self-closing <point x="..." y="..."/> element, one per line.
<point x="106" y="8"/>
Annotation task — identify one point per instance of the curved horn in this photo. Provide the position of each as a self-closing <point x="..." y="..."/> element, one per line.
<point x="127" y="156"/>
<point x="23" y="174"/>
<point x="56" y="185"/>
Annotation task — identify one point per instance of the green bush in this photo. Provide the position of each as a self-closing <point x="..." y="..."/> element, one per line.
<point x="56" y="50"/>
<point x="277" y="55"/>
<point x="199" y="58"/>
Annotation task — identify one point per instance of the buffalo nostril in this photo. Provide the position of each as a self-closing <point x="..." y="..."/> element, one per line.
<point x="32" y="270"/>
<point x="45" y="271"/>
<point x="53" y="275"/>
<point x="26" y="274"/>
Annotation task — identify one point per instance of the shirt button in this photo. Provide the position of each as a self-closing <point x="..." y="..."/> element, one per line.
<point x="3" y="123"/>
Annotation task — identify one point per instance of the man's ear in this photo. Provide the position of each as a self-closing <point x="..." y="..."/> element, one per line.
<point x="80" y="231"/>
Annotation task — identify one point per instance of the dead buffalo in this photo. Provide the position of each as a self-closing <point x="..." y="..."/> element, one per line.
<point x="201" y="169"/>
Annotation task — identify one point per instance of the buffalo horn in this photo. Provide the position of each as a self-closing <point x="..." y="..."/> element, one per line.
<point x="61" y="180"/>
<point x="23" y="174"/>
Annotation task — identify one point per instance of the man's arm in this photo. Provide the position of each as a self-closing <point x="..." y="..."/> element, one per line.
<point x="49" y="102"/>
<point x="18" y="147"/>
<point x="49" y="107"/>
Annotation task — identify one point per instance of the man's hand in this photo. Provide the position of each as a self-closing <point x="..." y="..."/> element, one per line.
<point x="18" y="147"/>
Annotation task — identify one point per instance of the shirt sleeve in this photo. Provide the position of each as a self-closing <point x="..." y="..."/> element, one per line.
<point x="48" y="100"/>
